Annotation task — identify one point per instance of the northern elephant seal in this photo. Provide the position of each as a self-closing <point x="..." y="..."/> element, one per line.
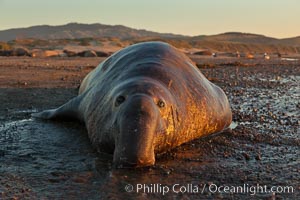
<point x="145" y="99"/>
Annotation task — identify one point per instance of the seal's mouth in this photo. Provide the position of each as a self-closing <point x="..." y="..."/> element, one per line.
<point x="125" y="163"/>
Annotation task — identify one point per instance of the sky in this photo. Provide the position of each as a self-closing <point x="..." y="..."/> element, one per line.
<point x="275" y="18"/>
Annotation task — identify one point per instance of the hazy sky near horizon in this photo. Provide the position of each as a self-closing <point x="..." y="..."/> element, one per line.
<point x="275" y="18"/>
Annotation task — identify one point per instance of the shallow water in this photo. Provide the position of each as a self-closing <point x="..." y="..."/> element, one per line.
<point x="48" y="156"/>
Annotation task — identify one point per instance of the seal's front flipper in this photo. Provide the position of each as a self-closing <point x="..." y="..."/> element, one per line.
<point x="46" y="114"/>
<point x="69" y="110"/>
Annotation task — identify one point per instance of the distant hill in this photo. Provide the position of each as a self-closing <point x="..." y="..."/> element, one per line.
<point x="45" y="36"/>
<point x="248" y="38"/>
<point x="238" y="37"/>
<point x="76" y="30"/>
<point x="295" y="41"/>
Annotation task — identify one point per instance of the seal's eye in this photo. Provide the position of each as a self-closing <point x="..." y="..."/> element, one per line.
<point x="119" y="100"/>
<point x="161" y="104"/>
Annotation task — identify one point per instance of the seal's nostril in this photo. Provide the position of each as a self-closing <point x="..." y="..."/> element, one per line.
<point x="120" y="99"/>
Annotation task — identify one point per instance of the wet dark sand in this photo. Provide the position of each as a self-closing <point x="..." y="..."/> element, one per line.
<point x="54" y="160"/>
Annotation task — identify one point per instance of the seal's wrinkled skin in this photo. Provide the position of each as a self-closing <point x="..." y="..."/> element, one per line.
<point x="145" y="99"/>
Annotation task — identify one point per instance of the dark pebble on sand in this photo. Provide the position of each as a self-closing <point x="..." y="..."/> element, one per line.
<point x="167" y="172"/>
<point x="246" y="156"/>
<point x="2" y="153"/>
<point x="53" y="180"/>
<point x="258" y="157"/>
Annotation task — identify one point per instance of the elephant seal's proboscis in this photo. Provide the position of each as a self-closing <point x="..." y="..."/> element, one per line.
<point x="145" y="99"/>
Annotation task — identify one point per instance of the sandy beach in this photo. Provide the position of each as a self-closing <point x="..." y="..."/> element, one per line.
<point x="54" y="160"/>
